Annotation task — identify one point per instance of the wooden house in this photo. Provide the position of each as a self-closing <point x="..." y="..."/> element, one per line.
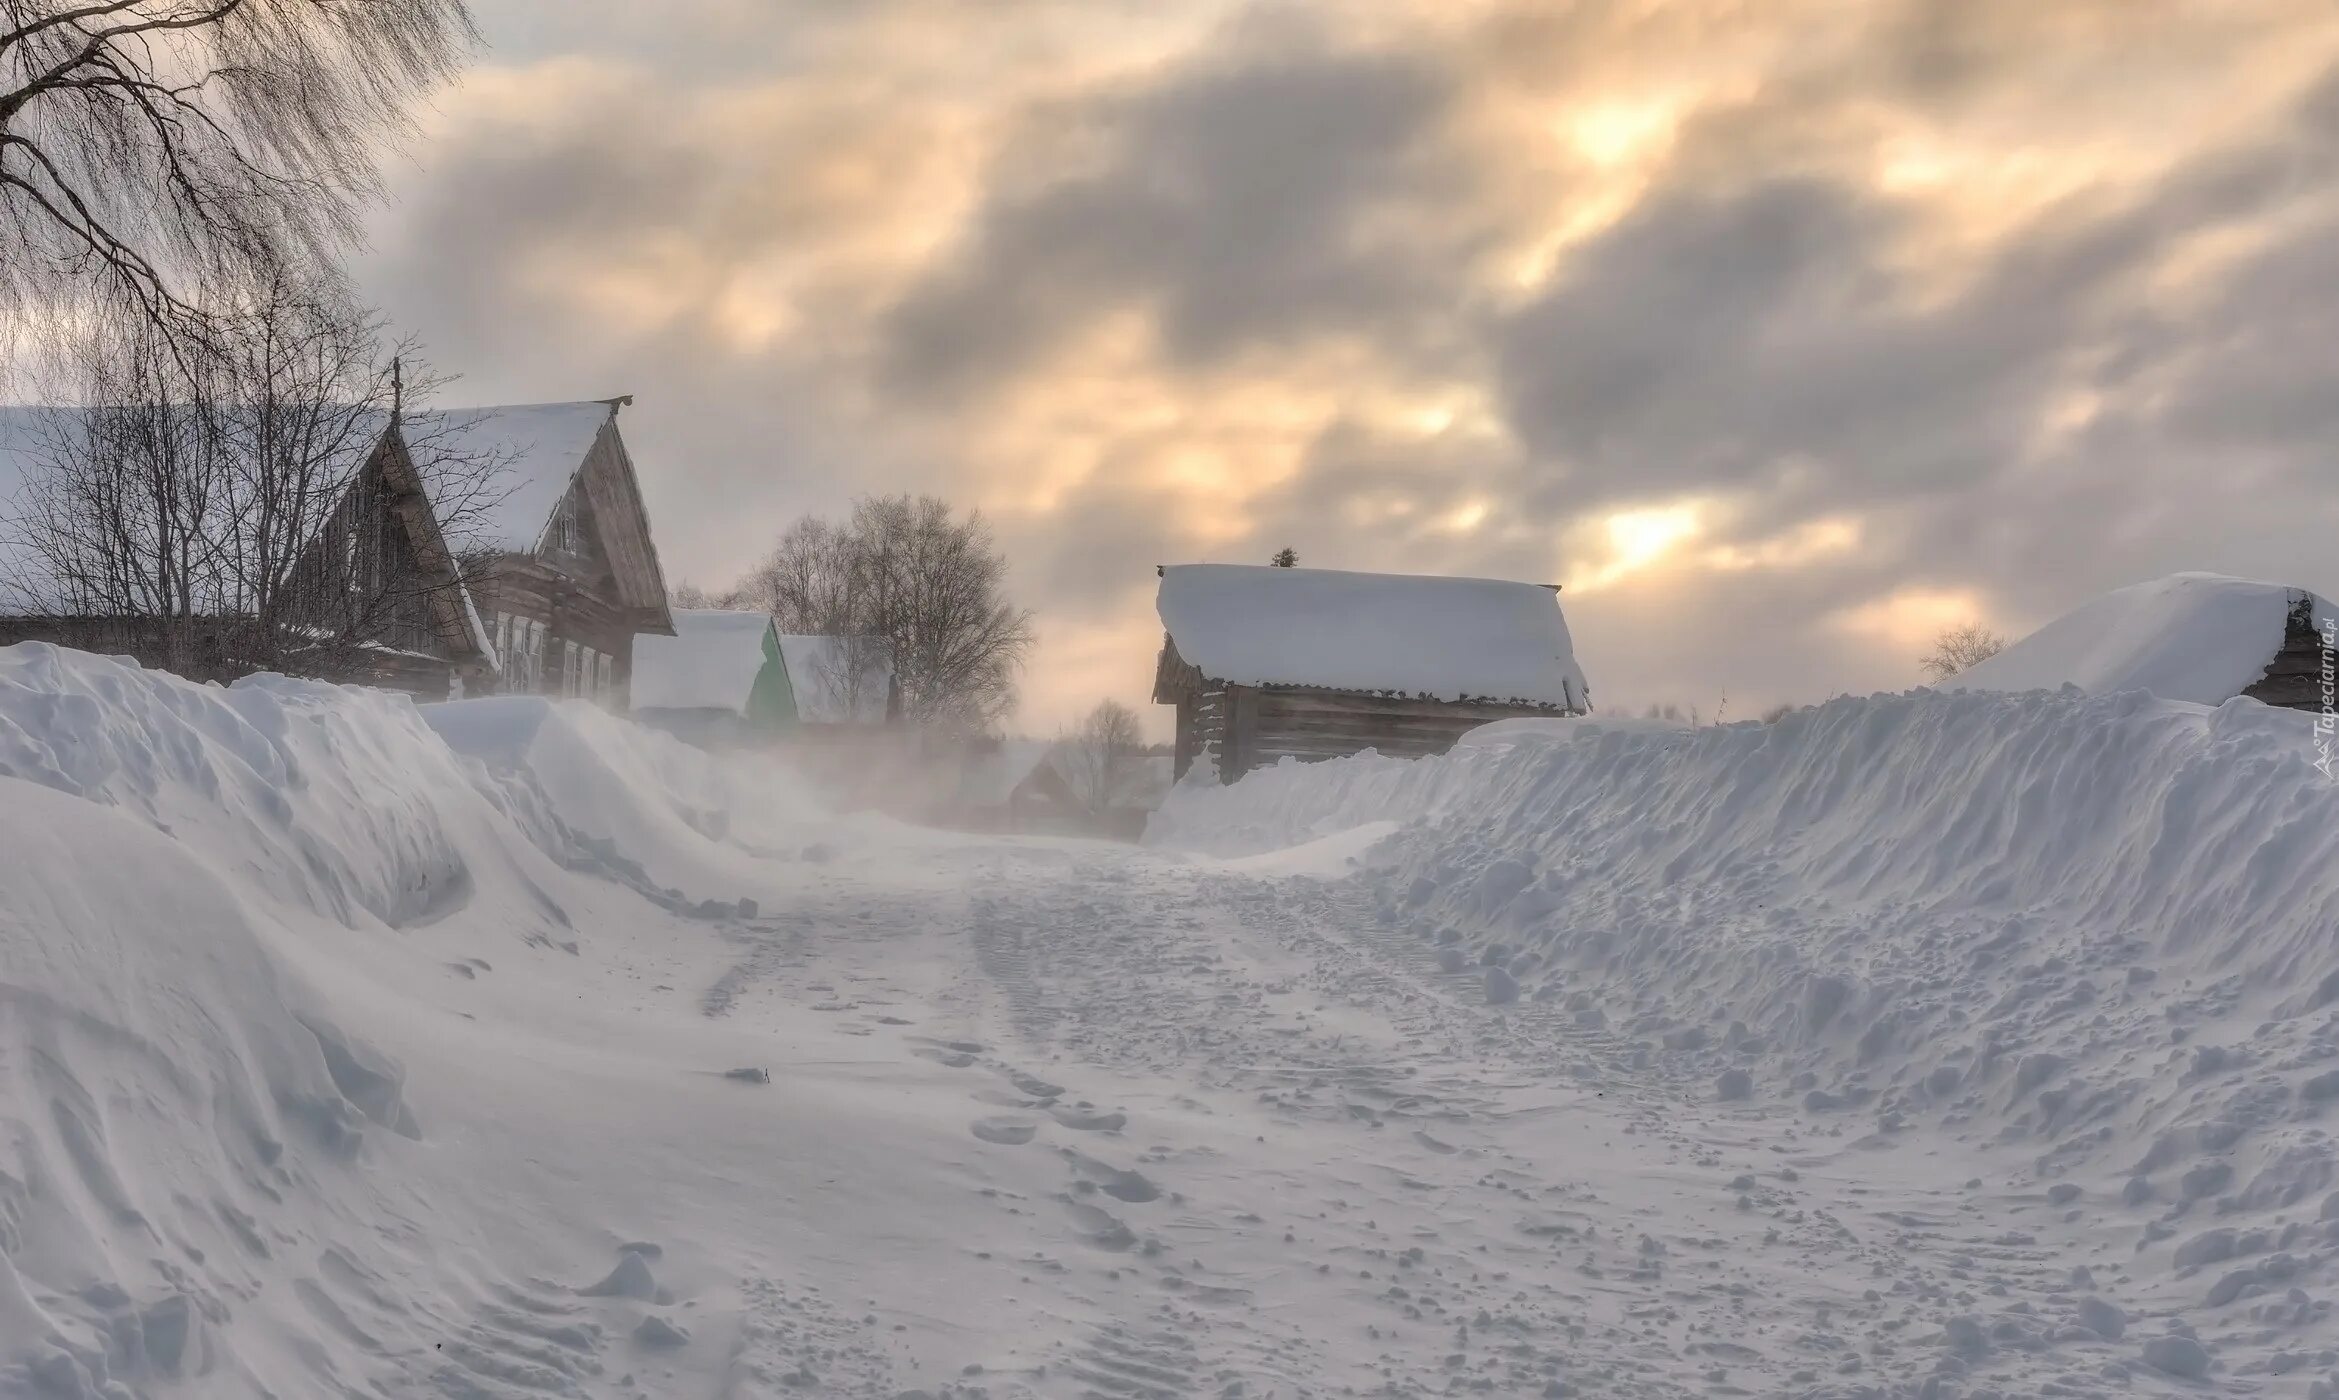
<point x="562" y="567"/>
<point x="378" y="598"/>
<point x="2196" y="637"/>
<point x="1265" y="663"/>
<point x="525" y="567"/>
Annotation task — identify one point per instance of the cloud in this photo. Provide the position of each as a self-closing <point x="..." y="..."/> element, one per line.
<point x="1248" y="200"/>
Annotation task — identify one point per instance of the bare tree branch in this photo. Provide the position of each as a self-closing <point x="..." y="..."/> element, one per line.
<point x="153" y="145"/>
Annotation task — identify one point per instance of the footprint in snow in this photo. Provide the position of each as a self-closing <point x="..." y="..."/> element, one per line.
<point x="1120" y="1185"/>
<point x="1081" y="1121"/>
<point x="1008" y="1132"/>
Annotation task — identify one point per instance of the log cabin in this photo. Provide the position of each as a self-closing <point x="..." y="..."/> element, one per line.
<point x="557" y="544"/>
<point x="377" y="598"/>
<point x="1264" y="664"/>
<point x="485" y="550"/>
<point x="2197" y="637"/>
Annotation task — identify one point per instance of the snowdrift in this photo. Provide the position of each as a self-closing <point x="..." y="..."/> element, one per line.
<point x="2099" y="928"/>
<point x="182" y="1113"/>
<point x="2202" y="638"/>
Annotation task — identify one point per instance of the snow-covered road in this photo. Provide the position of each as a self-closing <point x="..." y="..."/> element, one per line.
<point x="1247" y="1139"/>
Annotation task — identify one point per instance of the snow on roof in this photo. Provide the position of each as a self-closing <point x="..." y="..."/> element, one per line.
<point x="2203" y="638"/>
<point x="1450" y="638"/>
<point x="537" y="450"/>
<point x="821" y="673"/>
<point x="710" y="663"/>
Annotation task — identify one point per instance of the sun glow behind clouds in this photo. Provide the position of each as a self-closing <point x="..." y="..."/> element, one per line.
<point x="1637" y="540"/>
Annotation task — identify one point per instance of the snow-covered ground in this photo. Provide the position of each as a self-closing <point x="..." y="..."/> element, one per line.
<point x="1939" y="1044"/>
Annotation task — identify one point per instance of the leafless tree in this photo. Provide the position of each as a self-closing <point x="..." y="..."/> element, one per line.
<point x="1959" y="647"/>
<point x="148" y="146"/>
<point x="927" y="582"/>
<point x="117" y="520"/>
<point x="1101" y="758"/>
<point x="237" y="502"/>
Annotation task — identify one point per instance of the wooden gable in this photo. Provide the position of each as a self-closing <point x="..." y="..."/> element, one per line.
<point x="620" y="524"/>
<point x="453" y="619"/>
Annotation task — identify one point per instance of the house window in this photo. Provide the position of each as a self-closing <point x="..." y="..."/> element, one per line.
<point x="531" y="655"/>
<point x="604" y="673"/>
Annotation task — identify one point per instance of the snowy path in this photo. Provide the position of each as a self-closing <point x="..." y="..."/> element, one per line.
<point x="1284" y="1150"/>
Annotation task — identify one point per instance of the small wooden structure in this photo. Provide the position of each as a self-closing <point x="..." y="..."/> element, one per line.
<point x="1265" y="663"/>
<point x="2200" y="638"/>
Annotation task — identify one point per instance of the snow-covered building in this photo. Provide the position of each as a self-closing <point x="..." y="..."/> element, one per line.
<point x="473" y="550"/>
<point x="563" y="569"/>
<point x="727" y="675"/>
<point x="838" y="683"/>
<point x="2202" y="638"/>
<point x="1270" y="663"/>
<point x="378" y="597"/>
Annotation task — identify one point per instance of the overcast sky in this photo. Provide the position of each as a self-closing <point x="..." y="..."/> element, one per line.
<point x="1782" y="334"/>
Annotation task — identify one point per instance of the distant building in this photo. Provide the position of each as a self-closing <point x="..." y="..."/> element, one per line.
<point x="838" y="683"/>
<point x="1268" y="663"/>
<point x="1014" y="785"/>
<point x="729" y="676"/>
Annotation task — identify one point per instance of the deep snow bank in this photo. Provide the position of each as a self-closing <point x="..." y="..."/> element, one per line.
<point x="187" y="1126"/>
<point x="2102" y="928"/>
<point x="1293" y="803"/>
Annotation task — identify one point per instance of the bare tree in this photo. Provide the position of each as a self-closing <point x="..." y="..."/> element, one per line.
<point x="148" y="145"/>
<point x="117" y="521"/>
<point x="239" y="501"/>
<point x="929" y="583"/>
<point x="1959" y="647"/>
<point x="1101" y="758"/>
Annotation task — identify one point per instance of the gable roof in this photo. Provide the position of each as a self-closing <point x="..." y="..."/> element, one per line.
<point x="538" y="449"/>
<point x="990" y="777"/>
<point x="821" y="673"/>
<point x="541" y="453"/>
<point x="30" y="435"/>
<point x="710" y="663"/>
<point x="1389" y="634"/>
<point x="2202" y="638"/>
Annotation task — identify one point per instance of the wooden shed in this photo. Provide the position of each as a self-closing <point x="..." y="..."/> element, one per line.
<point x="1266" y="663"/>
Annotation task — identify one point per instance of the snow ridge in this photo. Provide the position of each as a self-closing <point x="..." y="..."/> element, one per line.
<point x="2098" y="928"/>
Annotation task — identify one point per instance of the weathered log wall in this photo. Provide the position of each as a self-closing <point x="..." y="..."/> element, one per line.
<point x="1239" y="728"/>
<point x="2294" y="680"/>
